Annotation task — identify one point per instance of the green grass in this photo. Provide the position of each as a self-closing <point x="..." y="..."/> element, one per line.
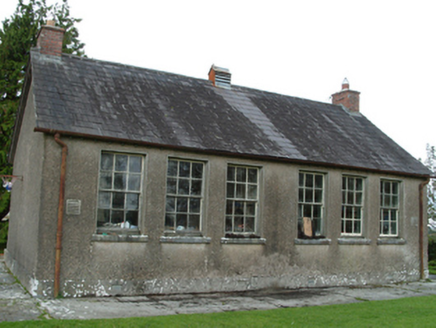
<point x="406" y="312"/>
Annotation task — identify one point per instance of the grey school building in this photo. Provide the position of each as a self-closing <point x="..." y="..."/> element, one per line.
<point x="137" y="181"/>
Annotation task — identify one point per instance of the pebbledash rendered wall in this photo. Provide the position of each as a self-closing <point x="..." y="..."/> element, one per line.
<point x="153" y="262"/>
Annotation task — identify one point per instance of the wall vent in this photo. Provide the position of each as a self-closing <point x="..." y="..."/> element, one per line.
<point x="220" y="77"/>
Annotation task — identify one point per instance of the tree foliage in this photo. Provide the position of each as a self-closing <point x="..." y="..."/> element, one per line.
<point x="18" y="35"/>
<point x="430" y="162"/>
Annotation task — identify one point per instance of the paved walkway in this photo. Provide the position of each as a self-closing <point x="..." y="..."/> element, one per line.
<point x="16" y="304"/>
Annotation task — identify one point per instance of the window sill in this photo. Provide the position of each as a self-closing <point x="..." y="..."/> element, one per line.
<point x="354" y="241"/>
<point x="185" y="240"/>
<point x="324" y="241"/>
<point x="243" y="241"/>
<point x="123" y="238"/>
<point x="391" y="241"/>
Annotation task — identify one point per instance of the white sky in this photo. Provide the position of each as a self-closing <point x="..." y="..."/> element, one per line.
<point x="386" y="49"/>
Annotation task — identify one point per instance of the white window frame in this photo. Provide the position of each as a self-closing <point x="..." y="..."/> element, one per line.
<point x="131" y="185"/>
<point x="352" y="209"/>
<point x="309" y="202"/>
<point x="242" y="199"/>
<point x="389" y="207"/>
<point x="182" y="199"/>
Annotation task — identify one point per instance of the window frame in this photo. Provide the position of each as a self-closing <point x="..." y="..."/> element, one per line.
<point x="188" y="196"/>
<point x="300" y="214"/>
<point x="234" y="233"/>
<point x="132" y="229"/>
<point x="390" y="208"/>
<point x="345" y="193"/>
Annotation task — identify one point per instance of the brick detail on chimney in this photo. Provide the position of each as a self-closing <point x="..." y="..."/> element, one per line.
<point x="346" y="97"/>
<point x="50" y="39"/>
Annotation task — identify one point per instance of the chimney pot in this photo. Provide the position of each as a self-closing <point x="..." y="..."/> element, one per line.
<point x="346" y="97"/>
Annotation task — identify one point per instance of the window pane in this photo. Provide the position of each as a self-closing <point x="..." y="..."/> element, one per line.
<point x="183" y="187"/>
<point x="387" y="201"/>
<point x="359" y="184"/>
<point x="105" y="180"/>
<point x="194" y="222"/>
<point x="240" y="190"/>
<point x="197" y="170"/>
<point x="182" y="205"/>
<point x="103" y="216"/>
<point x="387" y="187"/>
<point x="170" y="219"/>
<point x="357" y="227"/>
<point x="250" y="209"/>
<point x="319" y="181"/>
<point x="393" y="228"/>
<point x="229" y="207"/>
<point x="171" y="186"/>
<point x="107" y="161"/>
<point x="184" y="169"/>
<point x="309" y="180"/>
<point x="196" y="187"/>
<point x="172" y="168"/>
<point x="194" y="205"/>
<point x="231" y="173"/>
<point x="132" y="218"/>
<point x="301" y="195"/>
<point x="118" y="200"/>
<point x="316" y="211"/>
<point x="359" y="198"/>
<point x="344" y="183"/>
<point x="121" y="163"/>
<point x="309" y="196"/>
<point x="307" y="211"/>
<point x="239" y="207"/>
<point x="170" y="204"/>
<point x="104" y="199"/>
<point x="120" y="181"/>
<point x="135" y="164"/>
<point x="301" y="179"/>
<point x="241" y="175"/>
<point x="134" y="182"/>
<point x="252" y="192"/>
<point x="230" y="190"/>
<point x="181" y="221"/>
<point x="117" y="216"/>
<point x="132" y="201"/>
<point x="239" y="224"/>
<point x="249" y="224"/>
<point x="395" y="188"/>
<point x="229" y="224"/>
<point x="318" y="196"/>
<point x="252" y="175"/>
<point x="350" y="184"/>
<point x="348" y="226"/>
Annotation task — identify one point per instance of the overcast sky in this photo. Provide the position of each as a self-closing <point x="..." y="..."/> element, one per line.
<point x="386" y="49"/>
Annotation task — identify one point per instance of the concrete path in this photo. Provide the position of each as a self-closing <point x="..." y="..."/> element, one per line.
<point x="16" y="304"/>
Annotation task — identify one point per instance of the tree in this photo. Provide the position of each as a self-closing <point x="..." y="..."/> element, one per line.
<point x="430" y="162"/>
<point x="17" y="36"/>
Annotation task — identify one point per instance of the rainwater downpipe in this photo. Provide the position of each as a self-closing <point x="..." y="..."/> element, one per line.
<point x="422" y="227"/>
<point x="60" y="214"/>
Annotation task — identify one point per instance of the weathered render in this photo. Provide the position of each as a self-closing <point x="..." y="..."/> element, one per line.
<point x="101" y="110"/>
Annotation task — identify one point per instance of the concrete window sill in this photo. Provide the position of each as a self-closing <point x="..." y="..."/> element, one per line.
<point x="244" y="241"/>
<point x="391" y="241"/>
<point x="324" y="241"/>
<point x="116" y="238"/>
<point x="354" y="241"/>
<point x="185" y="240"/>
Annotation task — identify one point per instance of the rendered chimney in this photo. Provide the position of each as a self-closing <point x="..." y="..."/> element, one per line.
<point x="50" y="39"/>
<point x="346" y="97"/>
<point x="220" y="77"/>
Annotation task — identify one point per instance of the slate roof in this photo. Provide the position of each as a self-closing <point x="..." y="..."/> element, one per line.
<point x="91" y="98"/>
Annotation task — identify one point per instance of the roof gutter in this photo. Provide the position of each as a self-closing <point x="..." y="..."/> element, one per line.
<point x="227" y="153"/>
<point x="421" y="228"/>
<point x="60" y="214"/>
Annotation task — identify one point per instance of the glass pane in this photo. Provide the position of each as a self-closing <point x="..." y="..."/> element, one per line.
<point x="170" y="204"/>
<point x="316" y="223"/>
<point x="239" y="224"/>
<point x="249" y="224"/>
<point x="231" y="173"/>
<point x="387" y="189"/>
<point x="118" y="200"/>
<point x="318" y="196"/>
<point x="241" y="174"/>
<point x="196" y="187"/>
<point x="132" y="201"/>
<point x="344" y="197"/>
<point x="132" y="218"/>
<point x="359" y="198"/>
<point x="359" y="184"/>
<point x="395" y="188"/>
<point x="393" y="215"/>
<point x="229" y="226"/>
<point x="194" y="205"/>
<point x="121" y="163"/>
<point x="104" y="199"/>
<point x="171" y="186"/>
<point x="105" y="180"/>
<point x="309" y="180"/>
<point x="348" y="212"/>
<point x="117" y="216"/>
<point x="316" y="211"/>
<point x="230" y="190"/>
<point x="350" y="184"/>
<point x="252" y="192"/>
<point x="134" y="182"/>
<point x="197" y="170"/>
<point x="169" y="221"/>
<point x="172" y="168"/>
<point x="103" y="216"/>
<point x="387" y="201"/>
<point x="348" y="226"/>
<point x="301" y="179"/>
<point x="307" y="211"/>
<point x="239" y="207"/>
<point x="107" y="162"/>
<point x="394" y="201"/>
<point x="184" y="169"/>
<point x="319" y="181"/>
<point x="182" y="205"/>
<point x="252" y="175"/>
<point x="135" y="164"/>
<point x="301" y="195"/>
<point x="385" y="228"/>
<point x="309" y="196"/>
<point x="194" y="222"/>
<point x="240" y="191"/>
<point x="120" y="181"/>
<point x="250" y="209"/>
<point x="183" y="187"/>
<point x="344" y="183"/>
<point x="357" y="213"/>
<point x="356" y="226"/>
<point x="229" y="207"/>
<point x="393" y="228"/>
<point x="181" y="221"/>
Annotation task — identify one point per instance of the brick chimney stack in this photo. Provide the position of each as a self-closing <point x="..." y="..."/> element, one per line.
<point x="50" y="39"/>
<point x="346" y="97"/>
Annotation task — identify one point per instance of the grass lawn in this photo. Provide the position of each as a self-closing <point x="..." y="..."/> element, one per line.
<point x="406" y="312"/>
